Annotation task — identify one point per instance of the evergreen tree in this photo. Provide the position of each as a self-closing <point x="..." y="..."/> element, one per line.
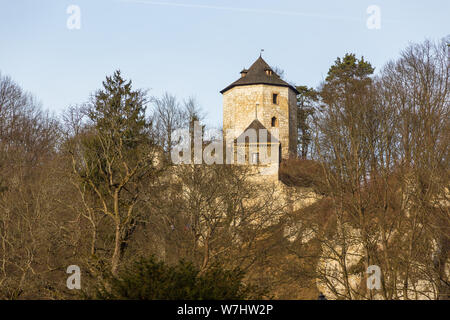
<point x="115" y="159"/>
<point x="148" y="279"/>
<point x="305" y="103"/>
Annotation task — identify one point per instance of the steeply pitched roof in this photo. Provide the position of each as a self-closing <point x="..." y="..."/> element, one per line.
<point x="256" y="125"/>
<point x="257" y="75"/>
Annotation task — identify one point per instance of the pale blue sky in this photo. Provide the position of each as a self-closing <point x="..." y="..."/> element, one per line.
<point x="198" y="47"/>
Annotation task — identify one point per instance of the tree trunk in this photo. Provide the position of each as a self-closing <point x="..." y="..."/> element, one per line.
<point x="117" y="252"/>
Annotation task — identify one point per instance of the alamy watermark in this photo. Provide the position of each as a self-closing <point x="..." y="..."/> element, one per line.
<point x="74" y="20"/>
<point x="374" y="19"/>
<point x="373" y="22"/>
<point x="252" y="147"/>
<point x="374" y="278"/>
<point x="74" y="280"/>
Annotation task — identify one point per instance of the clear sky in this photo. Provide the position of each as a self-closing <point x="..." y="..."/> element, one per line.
<point x="197" y="47"/>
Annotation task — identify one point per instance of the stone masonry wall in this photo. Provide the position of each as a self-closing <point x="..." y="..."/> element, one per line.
<point x="239" y="110"/>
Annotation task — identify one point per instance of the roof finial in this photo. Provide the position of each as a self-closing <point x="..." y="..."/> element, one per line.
<point x="260" y="54"/>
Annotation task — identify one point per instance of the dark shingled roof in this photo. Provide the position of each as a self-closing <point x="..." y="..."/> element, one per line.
<point x="256" y="125"/>
<point x="257" y="75"/>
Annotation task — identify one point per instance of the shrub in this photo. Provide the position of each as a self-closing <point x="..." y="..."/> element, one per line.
<point x="148" y="279"/>
<point x="301" y="173"/>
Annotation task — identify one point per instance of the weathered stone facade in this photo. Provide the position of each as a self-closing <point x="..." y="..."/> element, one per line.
<point x="242" y="105"/>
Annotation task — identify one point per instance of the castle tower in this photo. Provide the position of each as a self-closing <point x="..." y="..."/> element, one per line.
<point x="260" y="94"/>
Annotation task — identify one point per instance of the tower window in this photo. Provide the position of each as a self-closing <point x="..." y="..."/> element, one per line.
<point x="274" y="122"/>
<point x="275" y="98"/>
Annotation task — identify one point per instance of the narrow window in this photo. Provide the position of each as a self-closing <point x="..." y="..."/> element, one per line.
<point x="275" y="98"/>
<point x="274" y="122"/>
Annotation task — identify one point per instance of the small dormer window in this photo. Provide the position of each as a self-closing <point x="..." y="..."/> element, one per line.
<point x="274" y="122"/>
<point x="244" y="73"/>
<point x="275" y="98"/>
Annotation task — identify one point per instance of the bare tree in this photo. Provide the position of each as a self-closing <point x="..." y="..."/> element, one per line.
<point x="31" y="234"/>
<point x="383" y="146"/>
<point x="167" y="117"/>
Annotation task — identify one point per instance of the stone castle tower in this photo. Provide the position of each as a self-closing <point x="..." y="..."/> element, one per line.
<point x="261" y="99"/>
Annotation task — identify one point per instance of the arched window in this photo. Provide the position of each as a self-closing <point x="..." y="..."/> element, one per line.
<point x="274" y="122"/>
